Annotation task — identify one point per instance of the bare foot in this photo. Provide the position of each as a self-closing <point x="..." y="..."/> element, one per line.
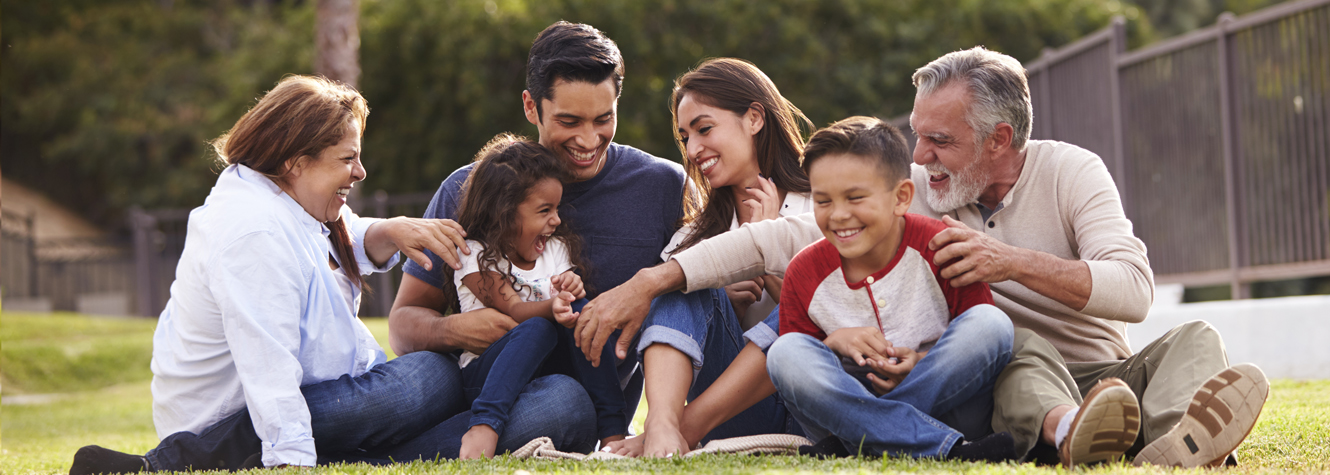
<point x="479" y="442"/>
<point x="630" y="447"/>
<point x="663" y="439"/>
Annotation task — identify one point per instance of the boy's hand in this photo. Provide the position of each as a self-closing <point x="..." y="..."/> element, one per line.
<point x="569" y="282"/>
<point x="887" y="375"/>
<point x="562" y="308"/>
<point x="859" y="344"/>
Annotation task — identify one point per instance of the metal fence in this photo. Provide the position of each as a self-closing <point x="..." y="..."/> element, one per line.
<point x="1219" y="140"/>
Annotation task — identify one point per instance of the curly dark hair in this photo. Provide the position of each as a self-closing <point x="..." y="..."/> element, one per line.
<point x="505" y="171"/>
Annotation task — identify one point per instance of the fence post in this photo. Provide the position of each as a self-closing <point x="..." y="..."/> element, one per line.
<point x="383" y="282"/>
<point x="1236" y="245"/>
<point x="1117" y="44"/>
<point x="142" y="225"/>
<point x="31" y="243"/>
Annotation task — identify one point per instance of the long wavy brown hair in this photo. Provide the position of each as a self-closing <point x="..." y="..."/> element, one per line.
<point x="296" y="120"/>
<point x="505" y="171"/>
<point x="736" y="85"/>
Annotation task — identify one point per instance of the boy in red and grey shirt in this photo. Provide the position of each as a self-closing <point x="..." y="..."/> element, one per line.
<point x="878" y="353"/>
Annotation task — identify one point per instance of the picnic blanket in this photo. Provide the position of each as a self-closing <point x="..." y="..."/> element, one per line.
<point x="779" y="444"/>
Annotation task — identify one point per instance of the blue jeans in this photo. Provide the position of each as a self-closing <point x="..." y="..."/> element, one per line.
<point x="703" y="326"/>
<point x="408" y="408"/>
<point x="953" y="385"/>
<point x="494" y="380"/>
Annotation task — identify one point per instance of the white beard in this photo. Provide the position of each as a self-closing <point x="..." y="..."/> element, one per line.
<point x="965" y="187"/>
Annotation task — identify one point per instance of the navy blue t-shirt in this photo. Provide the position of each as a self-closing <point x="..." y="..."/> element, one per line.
<point x="625" y="215"/>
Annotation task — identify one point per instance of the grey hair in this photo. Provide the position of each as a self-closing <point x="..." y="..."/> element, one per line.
<point x="997" y="86"/>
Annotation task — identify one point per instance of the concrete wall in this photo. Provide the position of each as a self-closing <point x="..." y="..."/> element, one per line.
<point x="1287" y="337"/>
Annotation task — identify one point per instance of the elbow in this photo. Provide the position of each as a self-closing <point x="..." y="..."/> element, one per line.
<point x="399" y="337"/>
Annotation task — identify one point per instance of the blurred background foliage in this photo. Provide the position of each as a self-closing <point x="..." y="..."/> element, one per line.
<point x="110" y="103"/>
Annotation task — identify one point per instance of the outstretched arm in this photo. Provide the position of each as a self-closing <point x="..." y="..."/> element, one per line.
<point x="624" y="307"/>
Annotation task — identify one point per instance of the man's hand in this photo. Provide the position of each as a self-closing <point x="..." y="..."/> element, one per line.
<point x="887" y="374"/>
<point x="967" y="256"/>
<point x="412" y="236"/>
<point x="859" y="344"/>
<point x="476" y="330"/>
<point x="624" y="307"/>
<point x="744" y="294"/>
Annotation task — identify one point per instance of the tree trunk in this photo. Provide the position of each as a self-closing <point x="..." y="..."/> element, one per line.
<point x="337" y="41"/>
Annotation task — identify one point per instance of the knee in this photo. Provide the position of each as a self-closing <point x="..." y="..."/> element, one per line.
<point x="575" y="405"/>
<point x="788" y="355"/>
<point x="990" y="323"/>
<point x="1198" y="331"/>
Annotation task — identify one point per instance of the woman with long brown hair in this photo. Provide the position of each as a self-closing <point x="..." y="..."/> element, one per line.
<point x="258" y="358"/>
<point x="741" y="142"/>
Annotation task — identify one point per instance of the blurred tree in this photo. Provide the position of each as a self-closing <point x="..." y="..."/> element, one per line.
<point x="110" y="103"/>
<point x="1174" y="17"/>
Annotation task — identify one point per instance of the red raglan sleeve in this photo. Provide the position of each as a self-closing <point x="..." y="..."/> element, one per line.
<point x="958" y="299"/>
<point x="796" y="293"/>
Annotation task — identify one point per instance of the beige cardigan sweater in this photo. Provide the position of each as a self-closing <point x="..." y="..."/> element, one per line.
<point x="1064" y="203"/>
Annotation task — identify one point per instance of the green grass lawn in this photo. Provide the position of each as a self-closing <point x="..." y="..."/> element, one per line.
<point x="96" y="370"/>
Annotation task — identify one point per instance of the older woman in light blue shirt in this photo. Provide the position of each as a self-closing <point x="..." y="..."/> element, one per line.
<point x="258" y="358"/>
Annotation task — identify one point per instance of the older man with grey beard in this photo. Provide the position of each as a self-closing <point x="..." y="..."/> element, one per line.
<point x="1042" y="223"/>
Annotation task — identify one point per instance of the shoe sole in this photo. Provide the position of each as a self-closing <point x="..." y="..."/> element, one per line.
<point x="1221" y="415"/>
<point x="1105" y="427"/>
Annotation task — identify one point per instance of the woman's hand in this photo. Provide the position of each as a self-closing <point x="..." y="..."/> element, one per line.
<point x="766" y="202"/>
<point x="744" y="294"/>
<point x="569" y="282"/>
<point x="413" y="236"/>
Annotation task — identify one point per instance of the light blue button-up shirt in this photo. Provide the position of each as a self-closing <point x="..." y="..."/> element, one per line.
<point x="255" y="313"/>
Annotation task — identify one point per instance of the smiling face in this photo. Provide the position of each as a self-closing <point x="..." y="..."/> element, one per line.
<point x="947" y="149"/>
<point x="577" y="123"/>
<point x="538" y="216"/>
<point x="320" y="184"/>
<point x="719" y="143"/>
<point x="859" y="211"/>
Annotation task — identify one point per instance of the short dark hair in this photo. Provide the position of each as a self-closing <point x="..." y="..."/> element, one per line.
<point x="867" y="137"/>
<point x="572" y="52"/>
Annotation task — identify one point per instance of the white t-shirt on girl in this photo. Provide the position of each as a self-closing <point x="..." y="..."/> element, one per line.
<point x="534" y="284"/>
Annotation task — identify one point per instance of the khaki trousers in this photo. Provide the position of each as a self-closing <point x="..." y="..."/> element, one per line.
<point x="1164" y="375"/>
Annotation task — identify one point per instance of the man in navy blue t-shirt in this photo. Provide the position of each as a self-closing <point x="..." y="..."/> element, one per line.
<point x="625" y="204"/>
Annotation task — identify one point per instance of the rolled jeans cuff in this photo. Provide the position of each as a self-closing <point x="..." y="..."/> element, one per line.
<point x="761" y="335"/>
<point x="675" y="338"/>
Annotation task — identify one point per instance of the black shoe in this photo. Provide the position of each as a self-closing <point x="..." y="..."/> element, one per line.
<point x="252" y="462"/>
<point x="93" y="459"/>
<point x="997" y="447"/>
<point x="830" y="447"/>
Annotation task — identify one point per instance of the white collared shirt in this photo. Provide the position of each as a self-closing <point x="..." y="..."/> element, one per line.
<point x="255" y="313"/>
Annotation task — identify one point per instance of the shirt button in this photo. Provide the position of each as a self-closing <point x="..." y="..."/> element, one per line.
<point x="869" y="279"/>
<point x="881" y="303"/>
<point x="992" y="224"/>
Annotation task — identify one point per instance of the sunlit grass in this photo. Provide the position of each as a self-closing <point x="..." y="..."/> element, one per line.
<point x="1293" y="434"/>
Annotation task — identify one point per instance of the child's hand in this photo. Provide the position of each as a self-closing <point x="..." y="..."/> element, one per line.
<point x="562" y="308"/>
<point x="859" y="344"/>
<point x="888" y="373"/>
<point x="569" y="282"/>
